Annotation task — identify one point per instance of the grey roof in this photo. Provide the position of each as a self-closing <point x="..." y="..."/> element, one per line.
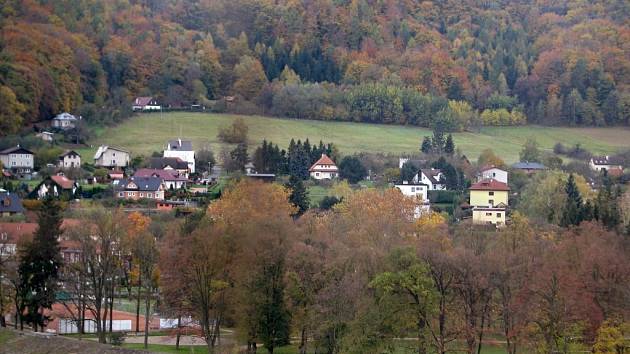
<point x="101" y="150"/>
<point x="605" y="160"/>
<point x="174" y="162"/>
<point x="529" y="166"/>
<point x="69" y="152"/>
<point x="181" y="145"/>
<point x="14" y="150"/>
<point x="65" y="116"/>
<point x="10" y="203"/>
<point x="431" y="174"/>
<point x="150" y="184"/>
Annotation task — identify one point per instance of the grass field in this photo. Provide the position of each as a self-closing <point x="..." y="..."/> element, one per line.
<point x="146" y="133"/>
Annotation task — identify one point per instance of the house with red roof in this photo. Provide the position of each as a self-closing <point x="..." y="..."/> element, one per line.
<point x="146" y="103"/>
<point x="56" y="187"/>
<point x="489" y="200"/>
<point x="324" y="168"/>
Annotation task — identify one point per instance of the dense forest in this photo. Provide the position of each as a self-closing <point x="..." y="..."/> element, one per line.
<point x="458" y="63"/>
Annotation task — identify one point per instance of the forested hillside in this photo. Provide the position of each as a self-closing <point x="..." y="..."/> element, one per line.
<point x="457" y="63"/>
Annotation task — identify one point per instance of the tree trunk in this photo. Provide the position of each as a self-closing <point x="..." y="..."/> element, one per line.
<point x="111" y="310"/>
<point x="147" y="304"/>
<point x="138" y="303"/>
<point x="303" y="340"/>
<point x="179" y="321"/>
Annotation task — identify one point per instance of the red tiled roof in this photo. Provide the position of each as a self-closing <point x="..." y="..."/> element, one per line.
<point x="143" y="101"/>
<point x="17" y="231"/>
<point x="489" y="184"/>
<point x="63" y="182"/>
<point x="324" y="160"/>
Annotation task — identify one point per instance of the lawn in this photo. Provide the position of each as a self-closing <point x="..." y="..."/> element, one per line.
<point x="145" y="133"/>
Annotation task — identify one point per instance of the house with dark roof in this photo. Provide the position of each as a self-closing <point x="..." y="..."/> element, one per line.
<point x="18" y="160"/>
<point x="489" y="200"/>
<point x="324" y="168"/>
<point x="170" y="164"/>
<point x="170" y="178"/>
<point x="604" y="163"/>
<point x="146" y="103"/>
<point x="56" y="187"/>
<point x="529" y="167"/>
<point x="432" y="177"/>
<point x="139" y="188"/>
<point x="69" y="159"/>
<point x="65" y="121"/>
<point x="10" y="204"/>
<point x="182" y="149"/>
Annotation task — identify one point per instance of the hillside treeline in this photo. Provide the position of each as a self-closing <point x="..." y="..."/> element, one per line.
<point x="459" y="62"/>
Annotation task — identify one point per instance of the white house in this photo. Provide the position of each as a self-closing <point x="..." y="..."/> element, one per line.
<point x="145" y="104"/>
<point x="65" y="121"/>
<point x="418" y="191"/>
<point x="432" y="177"/>
<point x="182" y="149"/>
<point x="604" y="163"/>
<point x="69" y="159"/>
<point x="19" y="160"/>
<point x="494" y="173"/>
<point x="46" y="136"/>
<point x="324" y="168"/>
<point x="111" y="157"/>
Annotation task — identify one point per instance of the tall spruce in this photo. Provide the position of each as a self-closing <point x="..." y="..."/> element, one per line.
<point x="449" y="146"/>
<point x="426" y="146"/>
<point x="573" y="209"/>
<point x="239" y="155"/>
<point x="299" y="195"/>
<point x="40" y="263"/>
<point x="606" y="204"/>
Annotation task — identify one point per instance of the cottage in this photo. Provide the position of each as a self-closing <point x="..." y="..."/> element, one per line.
<point x="65" y="121"/>
<point x="146" y="104"/>
<point x="46" y="136"/>
<point x="604" y="163"/>
<point x="56" y="187"/>
<point x="170" y="164"/>
<point x="170" y="178"/>
<point x="139" y="188"/>
<point x="10" y="204"/>
<point x="18" y="160"/>
<point x="111" y="157"/>
<point x="489" y="199"/>
<point x="324" y="168"/>
<point x="494" y="173"/>
<point x="183" y="150"/>
<point x="69" y="159"/>
<point x="418" y="191"/>
<point x="433" y="178"/>
<point x="529" y="167"/>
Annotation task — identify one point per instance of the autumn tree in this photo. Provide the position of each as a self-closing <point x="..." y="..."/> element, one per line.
<point x="250" y="77"/>
<point x="10" y="112"/>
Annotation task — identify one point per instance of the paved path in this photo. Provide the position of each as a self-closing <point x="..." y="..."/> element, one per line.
<point x="170" y="340"/>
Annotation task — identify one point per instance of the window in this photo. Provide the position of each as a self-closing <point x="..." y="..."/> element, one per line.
<point x="491" y="201"/>
<point x="149" y="195"/>
<point x="317" y="174"/>
<point x="488" y="214"/>
<point x="141" y="195"/>
<point x="494" y="174"/>
<point x="498" y="215"/>
<point x="490" y="193"/>
<point x="413" y="189"/>
<point x="121" y="194"/>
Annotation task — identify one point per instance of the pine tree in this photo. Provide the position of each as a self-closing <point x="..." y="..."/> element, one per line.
<point x="39" y="265"/>
<point x="449" y="146"/>
<point x="299" y="195"/>
<point x="607" y="205"/>
<point x="573" y="209"/>
<point x="426" y="146"/>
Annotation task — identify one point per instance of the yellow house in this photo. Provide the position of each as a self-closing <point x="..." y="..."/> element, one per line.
<point x="489" y="199"/>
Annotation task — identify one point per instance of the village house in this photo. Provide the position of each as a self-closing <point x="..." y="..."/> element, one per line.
<point x="65" y="121"/>
<point x="494" y="173"/>
<point x="13" y="234"/>
<point x="433" y="178"/>
<point x="139" y="188"/>
<point x="146" y="104"/>
<point x="419" y="191"/>
<point x="170" y="178"/>
<point x="170" y="164"/>
<point x="69" y="159"/>
<point x="46" y="136"/>
<point x="10" y="204"/>
<point x="63" y="320"/>
<point x="324" y="168"/>
<point x="183" y="150"/>
<point x="489" y="199"/>
<point x="529" y="167"/>
<point x="111" y="157"/>
<point x="18" y="160"/>
<point x="604" y="163"/>
<point x="56" y="187"/>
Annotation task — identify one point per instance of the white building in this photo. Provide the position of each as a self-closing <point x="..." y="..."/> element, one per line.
<point x="182" y="149"/>
<point x="65" y="121"/>
<point x="69" y="159"/>
<point x="145" y="104"/>
<point x="324" y="168"/>
<point x="604" y="163"/>
<point x="111" y="157"/>
<point x="494" y="173"/>
<point x="19" y="160"/>
<point x="420" y="192"/>
<point x="432" y="177"/>
<point x="46" y="136"/>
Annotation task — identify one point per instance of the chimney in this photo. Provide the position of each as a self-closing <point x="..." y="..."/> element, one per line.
<point x="179" y="140"/>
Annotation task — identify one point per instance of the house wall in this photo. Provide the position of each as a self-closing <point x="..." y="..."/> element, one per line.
<point x="496" y="217"/>
<point x="323" y="174"/>
<point x="411" y="190"/>
<point x="113" y="158"/>
<point x="424" y="179"/>
<point x="188" y="156"/>
<point x="70" y="161"/>
<point x="483" y="198"/>
<point x="497" y="174"/>
<point x="135" y="195"/>
<point x="63" y="124"/>
<point x="17" y="161"/>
